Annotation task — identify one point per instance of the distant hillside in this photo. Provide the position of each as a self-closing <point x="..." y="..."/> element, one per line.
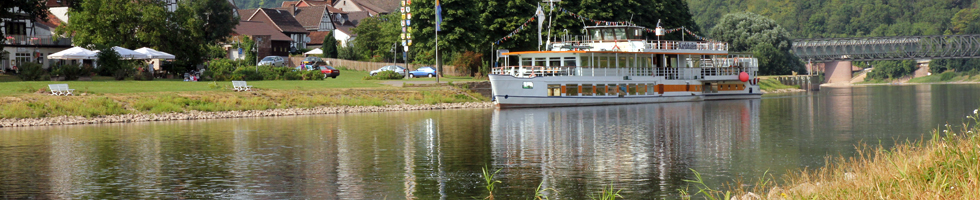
<point x="837" y="18"/>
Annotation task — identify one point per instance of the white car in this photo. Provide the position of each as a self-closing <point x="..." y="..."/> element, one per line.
<point x="275" y="61"/>
<point x="395" y="68"/>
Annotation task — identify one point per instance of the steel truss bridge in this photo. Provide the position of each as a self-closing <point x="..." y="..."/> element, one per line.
<point x="888" y="48"/>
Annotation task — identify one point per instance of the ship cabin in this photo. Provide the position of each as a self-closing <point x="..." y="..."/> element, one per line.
<point x="626" y="51"/>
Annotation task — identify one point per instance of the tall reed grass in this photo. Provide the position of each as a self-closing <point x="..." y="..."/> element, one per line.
<point x="944" y="166"/>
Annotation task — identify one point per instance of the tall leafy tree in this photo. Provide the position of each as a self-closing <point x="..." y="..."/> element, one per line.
<point x="376" y="37"/>
<point x="188" y="32"/>
<point x="329" y="46"/>
<point x="21" y="9"/>
<point x="768" y="41"/>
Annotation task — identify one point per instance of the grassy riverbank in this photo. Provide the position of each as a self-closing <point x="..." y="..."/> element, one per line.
<point x="20" y="99"/>
<point x="773" y="85"/>
<point x="944" y="166"/>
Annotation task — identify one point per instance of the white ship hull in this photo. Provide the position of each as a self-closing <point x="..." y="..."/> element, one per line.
<point x="511" y="92"/>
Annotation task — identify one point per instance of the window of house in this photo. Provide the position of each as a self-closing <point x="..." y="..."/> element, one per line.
<point x="16" y="28"/>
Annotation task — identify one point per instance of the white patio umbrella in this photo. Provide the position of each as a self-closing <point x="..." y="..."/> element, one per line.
<point x="127" y="54"/>
<point x="314" y="51"/>
<point x="154" y="54"/>
<point x="74" y="53"/>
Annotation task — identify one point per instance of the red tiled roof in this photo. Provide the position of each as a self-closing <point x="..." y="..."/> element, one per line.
<point x="316" y="37"/>
<point x="309" y="17"/>
<point x="289" y="3"/>
<point x="282" y="20"/>
<point x="373" y="9"/>
<point x="260" y="28"/>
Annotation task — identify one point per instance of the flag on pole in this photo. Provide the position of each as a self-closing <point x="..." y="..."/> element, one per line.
<point x="438" y="16"/>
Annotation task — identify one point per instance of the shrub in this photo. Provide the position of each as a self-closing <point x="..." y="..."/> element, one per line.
<point x="468" y="62"/>
<point x="946" y="76"/>
<point x="312" y="75"/>
<point x="220" y="70"/>
<point x="385" y="75"/>
<point x="31" y="72"/>
<point x="247" y="74"/>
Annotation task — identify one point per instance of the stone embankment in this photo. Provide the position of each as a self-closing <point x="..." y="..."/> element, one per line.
<point x="197" y="115"/>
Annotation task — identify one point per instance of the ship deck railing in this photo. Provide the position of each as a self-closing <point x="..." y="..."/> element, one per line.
<point x="669" y="73"/>
<point x="575" y="41"/>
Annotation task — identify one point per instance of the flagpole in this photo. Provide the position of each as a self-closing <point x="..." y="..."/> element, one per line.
<point x="438" y="65"/>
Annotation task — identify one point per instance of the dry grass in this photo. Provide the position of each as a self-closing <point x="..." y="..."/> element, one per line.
<point x="943" y="167"/>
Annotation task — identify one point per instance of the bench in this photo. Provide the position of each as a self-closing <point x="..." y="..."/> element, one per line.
<point x="60" y="89"/>
<point x="241" y="86"/>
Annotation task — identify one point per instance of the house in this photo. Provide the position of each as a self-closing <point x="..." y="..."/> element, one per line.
<point x="306" y="3"/>
<point x="360" y="6"/>
<point x="31" y="40"/>
<point x="281" y="21"/>
<point x="268" y="40"/>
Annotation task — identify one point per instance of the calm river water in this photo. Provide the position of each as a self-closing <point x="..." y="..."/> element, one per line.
<point x="646" y="150"/>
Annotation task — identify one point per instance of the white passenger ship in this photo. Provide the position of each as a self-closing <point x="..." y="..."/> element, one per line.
<point x="615" y="65"/>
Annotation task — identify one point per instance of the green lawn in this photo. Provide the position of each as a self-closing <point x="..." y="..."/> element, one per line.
<point x="11" y="85"/>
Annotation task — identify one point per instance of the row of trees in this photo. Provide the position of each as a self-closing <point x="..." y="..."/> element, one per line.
<point x="860" y="18"/>
<point x="473" y="26"/>
<point x="191" y="31"/>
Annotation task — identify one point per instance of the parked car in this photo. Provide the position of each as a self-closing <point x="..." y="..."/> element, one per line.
<point x="313" y="60"/>
<point x="395" y="68"/>
<point x="423" y="71"/>
<point x="275" y="61"/>
<point x="329" y="71"/>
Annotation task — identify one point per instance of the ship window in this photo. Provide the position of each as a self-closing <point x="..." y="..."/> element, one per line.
<point x="539" y="62"/>
<point x="623" y="62"/>
<point x="587" y="61"/>
<point x="528" y="85"/>
<point x="607" y="34"/>
<point x="587" y="90"/>
<point x="570" y="62"/>
<point x="571" y="89"/>
<point x="554" y="90"/>
<point x="613" y="90"/>
<point x="601" y="62"/>
<point x="596" y="34"/>
<point x="632" y="89"/>
<point x="600" y="89"/>
<point x="620" y="33"/>
<point x="526" y="62"/>
<point x="641" y="89"/>
<point x="554" y="62"/>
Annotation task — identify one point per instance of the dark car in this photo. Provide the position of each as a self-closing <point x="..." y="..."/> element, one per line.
<point x="314" y="61"/>
<point x="329" y="71"/>
<point x="423" y="71"/>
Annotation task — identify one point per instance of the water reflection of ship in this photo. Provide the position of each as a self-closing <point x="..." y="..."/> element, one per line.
<point x="647" y="148"/>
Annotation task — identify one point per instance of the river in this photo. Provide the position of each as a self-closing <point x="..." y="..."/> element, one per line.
<point x="646" y="150"/>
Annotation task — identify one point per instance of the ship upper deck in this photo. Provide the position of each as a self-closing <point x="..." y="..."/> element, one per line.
<point x="626" y="39"/>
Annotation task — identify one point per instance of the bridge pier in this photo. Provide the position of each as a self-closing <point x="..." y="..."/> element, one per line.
<point x="838" y="71"/>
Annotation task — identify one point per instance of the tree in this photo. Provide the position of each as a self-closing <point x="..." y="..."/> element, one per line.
<point x="329" y="46"/>
<point x="377" y="36"/>
<point x="188" y="32"/>
<point x="28" y="9"/>
<point x="768" y="41"/>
